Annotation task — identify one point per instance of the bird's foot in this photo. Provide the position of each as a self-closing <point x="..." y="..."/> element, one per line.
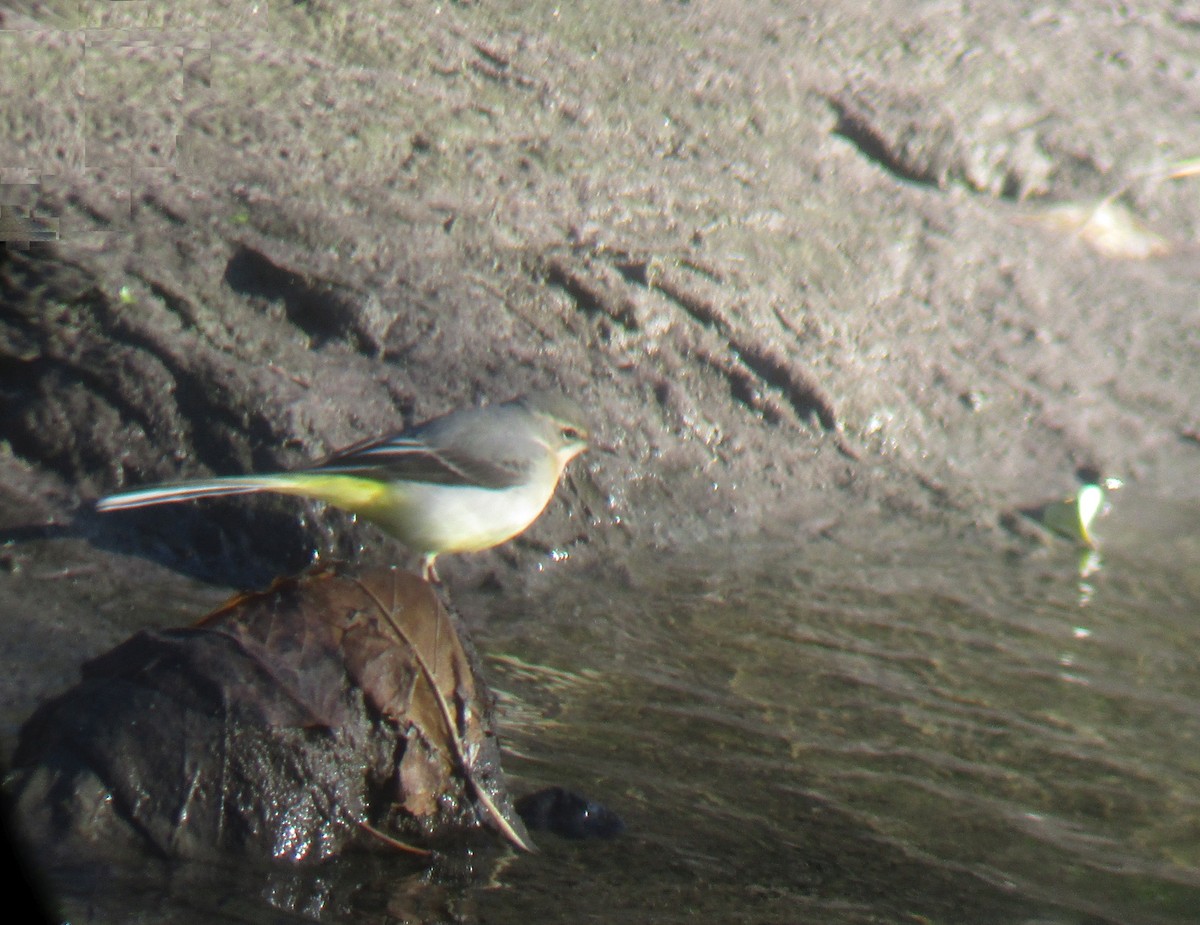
<point x="428" y="571"/>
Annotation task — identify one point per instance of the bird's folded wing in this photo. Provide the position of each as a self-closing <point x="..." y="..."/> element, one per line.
<point x="412" y="460"/>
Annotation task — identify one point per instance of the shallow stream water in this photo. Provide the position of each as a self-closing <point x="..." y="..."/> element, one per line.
<point x="902" y="728"/>
<point x="917" y="728"/>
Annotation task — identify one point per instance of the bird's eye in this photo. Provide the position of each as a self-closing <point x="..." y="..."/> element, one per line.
<point x="572" y="434"/>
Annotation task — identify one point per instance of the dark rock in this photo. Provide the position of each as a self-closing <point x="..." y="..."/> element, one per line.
<point x="568" y="814"/>
<point x="291" y="725"/>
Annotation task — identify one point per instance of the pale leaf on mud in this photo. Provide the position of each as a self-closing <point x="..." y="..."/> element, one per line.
<point x="1107" y="227"/>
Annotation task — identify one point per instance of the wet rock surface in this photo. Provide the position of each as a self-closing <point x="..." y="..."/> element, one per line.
<point x="327" y="713"/>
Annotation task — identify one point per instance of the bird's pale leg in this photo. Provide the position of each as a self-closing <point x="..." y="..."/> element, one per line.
<point x="428" y="571"/>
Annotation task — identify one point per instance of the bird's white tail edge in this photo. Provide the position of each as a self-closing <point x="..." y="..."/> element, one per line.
<point x="184" y="491"/>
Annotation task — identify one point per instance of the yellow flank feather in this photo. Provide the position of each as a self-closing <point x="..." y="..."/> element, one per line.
<point x="344" y="491"/>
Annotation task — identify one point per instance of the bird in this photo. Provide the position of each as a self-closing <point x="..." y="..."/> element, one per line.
<point x="462" y="482"/>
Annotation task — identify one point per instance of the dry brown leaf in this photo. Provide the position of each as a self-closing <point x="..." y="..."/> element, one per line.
<point x="401" y="648"/>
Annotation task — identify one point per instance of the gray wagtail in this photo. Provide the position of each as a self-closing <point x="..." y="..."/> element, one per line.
<point x="466" y="481"/>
